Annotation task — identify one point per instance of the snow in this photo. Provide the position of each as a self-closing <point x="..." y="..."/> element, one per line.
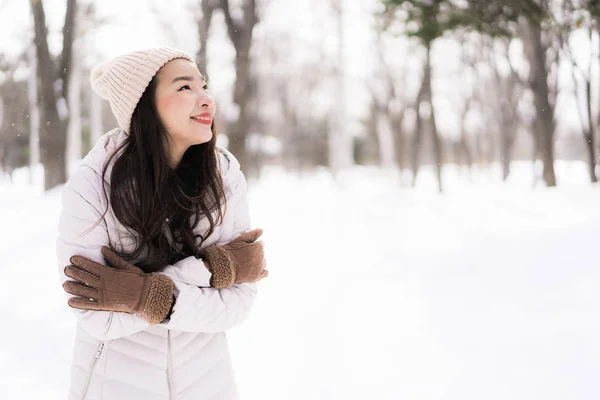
<point x="376" y="290"/>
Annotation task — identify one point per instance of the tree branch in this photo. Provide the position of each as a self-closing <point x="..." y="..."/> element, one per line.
<point x="67" y="52"/>
<point x="250" y="15"/>
<point x="45" y="67"/>
<point x="233" y="26"/>
<point x="208" y="7"/>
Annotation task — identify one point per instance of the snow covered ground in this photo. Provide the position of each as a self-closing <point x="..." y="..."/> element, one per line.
<point x="489" y="291"/>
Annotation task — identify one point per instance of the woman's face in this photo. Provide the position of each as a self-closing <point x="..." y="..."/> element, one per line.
<point x="184" y="107"/>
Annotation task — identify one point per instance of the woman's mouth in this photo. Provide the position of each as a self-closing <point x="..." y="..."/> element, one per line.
<point x="203" y="119"/>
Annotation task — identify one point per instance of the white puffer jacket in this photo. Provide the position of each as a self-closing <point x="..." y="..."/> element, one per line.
<point x="119" y="355"/>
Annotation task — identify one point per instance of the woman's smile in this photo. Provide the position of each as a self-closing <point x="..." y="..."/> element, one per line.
<point x="204" y="118"/>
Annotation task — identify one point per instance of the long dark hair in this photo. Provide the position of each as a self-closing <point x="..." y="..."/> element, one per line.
<point x="161" y="206"/>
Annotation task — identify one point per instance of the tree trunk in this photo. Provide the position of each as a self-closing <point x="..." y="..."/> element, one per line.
<point x="385" y="140"/>
<point x="535" y="129"/>
<point x="507" y="94"/>
<point x="545" y="113"/>
<point x="239" y="129"/>
<point x="2" y="144"/>
<point x="589" y="144"/>
<point x="240" y="33"/>
<point x="34" y="114"/>
<point x="74" y="101"/>
<point x="585" y="114"/>
<point x="505" y="150"/>
<point x="590" y="132"/>
<point x="399" y="138"/>
<point x="418" y="134"/>
<point x="463" y="145"/>
<point x="208" y="6"/>
<point x="437" y="146"/>
<point x="507" y="137"/>
<point x="598" y="31"/>
<point x="393" y="108"/>
<point x="64" y="69"/>
<point x="340" y="145"/>
<point x="53" y="138"/>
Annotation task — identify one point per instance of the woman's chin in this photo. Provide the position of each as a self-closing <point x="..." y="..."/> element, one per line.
<point x="203" y="139"/>
<point x="199" y="136"/>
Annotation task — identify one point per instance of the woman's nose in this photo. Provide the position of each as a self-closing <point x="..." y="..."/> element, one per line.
<point x="205" y="101"/>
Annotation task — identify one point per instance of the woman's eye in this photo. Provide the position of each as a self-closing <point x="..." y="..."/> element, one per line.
<point x="185" y="86"/>
<point x="205" y="87"/>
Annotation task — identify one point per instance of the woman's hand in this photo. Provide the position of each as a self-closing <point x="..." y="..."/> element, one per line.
<point x="240" y="261"/>
<point x="120" y="286"/>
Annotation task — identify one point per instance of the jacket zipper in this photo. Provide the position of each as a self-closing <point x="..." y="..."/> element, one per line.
<point x="169" y="380"/>
<point x="92" y="366"/>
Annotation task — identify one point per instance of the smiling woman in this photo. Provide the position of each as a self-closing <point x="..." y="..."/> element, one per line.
<point x="155" y="248"/>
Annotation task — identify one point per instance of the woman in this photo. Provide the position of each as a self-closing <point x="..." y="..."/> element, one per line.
<point x="154" y="245"/>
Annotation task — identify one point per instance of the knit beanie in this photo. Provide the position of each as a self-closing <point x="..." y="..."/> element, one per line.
<point x="123" y="79"/>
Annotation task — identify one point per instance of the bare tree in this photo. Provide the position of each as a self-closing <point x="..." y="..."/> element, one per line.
<point x="592" y="7"/>
<point x="285" y="86"/>
<point x="53" y="104"/>
<point x="14" y="124"/>
<point x="426" y="120"/>
<point x="208" y="7"/>
<point x="584" y="106"/>
<point x="509" y="89"/>
<point x="34" y="113"/>
<point x="427" y="21"/>
<point x="497" y="18"/>
<point x="340" y="144"/>
<point x="583" y="92"/>
<point x="89" y="22"/>
<point x="469" y="97"/>
<point x="239" y="30"/>
<point x="74" y="104"/>
<point x="2" y="119"/>
<point x="595" y="12"/>
<point x="536" y="54"/>
<point x="381" y="123"/>
<point x="388" y="108"/>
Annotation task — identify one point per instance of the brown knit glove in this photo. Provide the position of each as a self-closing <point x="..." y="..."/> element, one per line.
<point x="239" y="261"/>
<point x="120" y="286"/>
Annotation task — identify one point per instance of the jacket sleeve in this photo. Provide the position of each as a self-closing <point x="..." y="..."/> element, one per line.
<point x="214" y="310"/>
<point x="82" y="231"/>
<point x="190" y="270"/>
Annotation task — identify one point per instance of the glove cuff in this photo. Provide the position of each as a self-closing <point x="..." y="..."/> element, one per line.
<point x="159" y="300"/>
<point x="220" y="265"/>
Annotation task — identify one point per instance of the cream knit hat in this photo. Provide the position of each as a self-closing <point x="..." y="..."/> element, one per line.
<point x="123" y="79"/>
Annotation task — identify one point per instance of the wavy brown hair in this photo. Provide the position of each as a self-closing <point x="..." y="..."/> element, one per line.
<point x="160" y="206"/>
